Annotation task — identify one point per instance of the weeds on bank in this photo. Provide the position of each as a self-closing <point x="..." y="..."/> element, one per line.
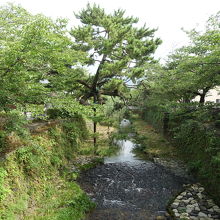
<point x="151" y="142"/>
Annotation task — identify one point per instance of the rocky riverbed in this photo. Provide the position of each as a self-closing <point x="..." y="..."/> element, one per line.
<point x="127" y="187"/>
<point x="193" y="203"/>
<point x="130" y="191"/>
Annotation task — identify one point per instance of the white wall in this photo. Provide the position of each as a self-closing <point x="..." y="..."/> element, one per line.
<point x="211" y="96"/>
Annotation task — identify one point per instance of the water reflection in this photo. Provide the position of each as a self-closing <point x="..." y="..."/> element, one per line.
<point x="124" y="154"/>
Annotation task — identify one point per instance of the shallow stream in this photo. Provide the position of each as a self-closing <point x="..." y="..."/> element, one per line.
<point x="127" y="187"/>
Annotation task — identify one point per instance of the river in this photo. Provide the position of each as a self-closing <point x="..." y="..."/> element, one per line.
<point x="127" y="187"/>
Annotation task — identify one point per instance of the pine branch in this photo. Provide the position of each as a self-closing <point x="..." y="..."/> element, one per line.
<point x="84" y="83"/>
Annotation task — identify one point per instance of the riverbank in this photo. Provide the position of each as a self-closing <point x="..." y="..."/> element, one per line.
<point x="37" y="171"/>
<point x="153" y="144"/>
<point x="155" y="147"/>
<point x="193" y="202"/>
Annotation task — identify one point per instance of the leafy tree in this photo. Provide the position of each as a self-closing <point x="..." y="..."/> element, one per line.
<point x="197" y="66"/>
<point x="32" y="47"/>
<point x="190" y="71"/>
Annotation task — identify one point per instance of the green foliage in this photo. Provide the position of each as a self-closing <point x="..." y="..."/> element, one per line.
<point x="191" y="71"/>
<point x="75" y="130"/>
<point x="72" y="205"/>
<point x="15" y="122"/>
<point x="2" y="139"/>
<point x="120" y="49"/>
<point x="13" y="130"/>
<point x="94" y="162"/>
<point x="55" y="113"/>
<point x="196" y="134"/>
<point x="216" y="159"/>
<point x="33" y="47"/>
<point x="192" y="130"/>
<point x="67" y="107"/>
<point x="217" y="124"/>
<point x="3" y="189"/>
<point x="198" y="62"/>
<point x="34" y="159"/>
<point x="154" y="115"/>
<point x="201" y="146"/>
<point x="40" y="64"/>
<point x="38" y="171"/>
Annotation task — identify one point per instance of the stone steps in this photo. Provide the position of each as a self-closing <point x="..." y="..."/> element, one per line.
<point x="194" y="204"/>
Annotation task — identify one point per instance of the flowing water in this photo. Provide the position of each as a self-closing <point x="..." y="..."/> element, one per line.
<point x="126" y="187"/>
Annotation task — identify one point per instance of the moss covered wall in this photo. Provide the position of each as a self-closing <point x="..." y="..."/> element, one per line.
<point x="196" y="137"/>
<point x="35" y="179"/>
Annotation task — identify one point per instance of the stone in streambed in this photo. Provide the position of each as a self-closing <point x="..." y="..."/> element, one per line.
<point x="194" y="218"/>
<point x="175" y="205"/>
<point x="201" y="189"/>
<point x="203" y="208"/>
<point x="177" y="214"/>
<point x="202" y="215"/>
<point x="175" y="210"/>
<point x="160" y="218"/>
<point x="216" y="208"/>
<point x="197" y="209"/>
<point x="179" y="197"/>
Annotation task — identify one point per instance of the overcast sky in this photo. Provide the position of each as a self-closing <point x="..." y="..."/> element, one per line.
<point x="169" y="16"/>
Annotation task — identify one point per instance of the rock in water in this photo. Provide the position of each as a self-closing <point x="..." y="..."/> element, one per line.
<point x="125" y="123"/>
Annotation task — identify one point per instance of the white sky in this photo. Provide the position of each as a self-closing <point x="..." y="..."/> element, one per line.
<point x="169" y="16"/>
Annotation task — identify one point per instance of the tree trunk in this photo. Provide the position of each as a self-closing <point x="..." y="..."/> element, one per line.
<point x="186" y="100"/>
<point x="202" y="98"/>
<point x="203" y="94"/>
<point x="165" y="123"/>
<point x="94" y="127"/>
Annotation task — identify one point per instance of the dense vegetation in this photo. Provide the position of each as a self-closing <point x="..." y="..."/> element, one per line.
<point x="168" y="95"/>
<point x="38" y="169"/>
<point x="66" y="77"/>
<point x="44" y="72"/>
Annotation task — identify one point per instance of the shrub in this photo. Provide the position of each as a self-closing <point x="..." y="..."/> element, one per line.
<point x="13" y="130"/>
<point x="57" y="113"/>
<point x="3" y="190"/>
<point x="15" y="122"/>
<point x="191" y="129"/>
<point x="217" y="123"/>
<point x="2" y="139"/>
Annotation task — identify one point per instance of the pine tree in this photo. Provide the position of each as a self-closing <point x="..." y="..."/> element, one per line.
<point x="116" y="47"/>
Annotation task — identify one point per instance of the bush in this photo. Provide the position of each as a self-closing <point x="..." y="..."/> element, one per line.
<point x="2" y="139"/>
<point x="3" y="190"/>
<point x="57" y="113"/>
<point x="15" y="122"/>
<point x="12" y="131"/>
<point x="217" y="123"/>
<point x="191" y="129"/>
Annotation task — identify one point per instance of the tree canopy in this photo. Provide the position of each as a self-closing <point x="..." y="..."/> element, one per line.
<point x="116" y="48"/>
<point x="190" y="71"/>
<point x="198" y="63"/>
<point x="31" y="47"/>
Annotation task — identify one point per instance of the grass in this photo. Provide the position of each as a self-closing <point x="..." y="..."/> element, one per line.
<point x="66" y="202"/>
<point x="104" y="136"/>
<point x="152" y="142"/>
<point x="36" y="182"/>
<point x="36" y="189"/>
